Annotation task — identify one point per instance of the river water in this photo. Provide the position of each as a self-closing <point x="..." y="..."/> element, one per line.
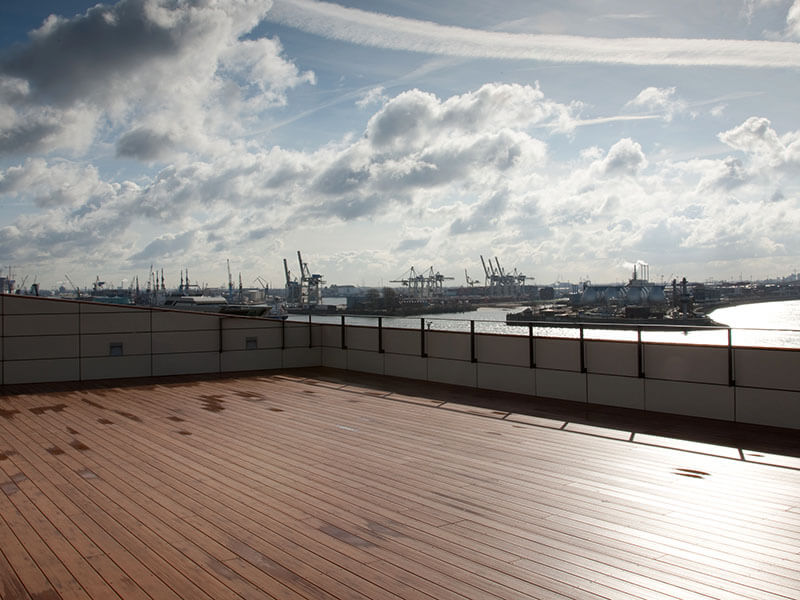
<point x="765" y="324"/>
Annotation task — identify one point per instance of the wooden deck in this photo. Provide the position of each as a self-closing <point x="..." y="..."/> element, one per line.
<point x="323" y="484"/>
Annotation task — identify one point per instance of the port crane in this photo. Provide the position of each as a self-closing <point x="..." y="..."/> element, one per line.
<point x="310" y="284"/>
<point x="500" y="283"/>
<point x="292" y="285"/>
<point x="74" y="287"/>
<point x="425" y="284"/>
<point x="307" y="291"/>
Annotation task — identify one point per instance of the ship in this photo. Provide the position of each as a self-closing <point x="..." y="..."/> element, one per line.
<point x="639" y="302"/>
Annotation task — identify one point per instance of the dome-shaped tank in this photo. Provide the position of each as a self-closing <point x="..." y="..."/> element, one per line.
<point x="612" y="294"/>
<point x="636" y="295"/>
<point x="656" y="295"/>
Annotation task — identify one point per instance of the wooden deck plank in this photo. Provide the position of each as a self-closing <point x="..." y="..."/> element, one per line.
<point x="221" y="509"/>
<point x="319" y="484"/>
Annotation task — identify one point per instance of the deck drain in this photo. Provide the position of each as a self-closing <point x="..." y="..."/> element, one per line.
<point x="693" y="473"/>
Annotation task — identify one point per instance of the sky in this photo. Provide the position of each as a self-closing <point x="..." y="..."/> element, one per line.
<point x="569" y="139"/>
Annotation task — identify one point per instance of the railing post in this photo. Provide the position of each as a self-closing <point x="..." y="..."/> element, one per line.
<point x="731" y="372"/>
<point x="473" y="358"/>
<point x="639" y="352"/>
<point x="583" y="356"/>
<point x="310" y="336"/>
<point x="283" y="334"/>
<point x="380" y="335"/>
<point x="422" y="352"/>
<point x="531" y="354"/>
<point x="344" y="346"/>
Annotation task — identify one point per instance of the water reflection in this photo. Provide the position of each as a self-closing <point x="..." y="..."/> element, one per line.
<point x="770" y="324"/>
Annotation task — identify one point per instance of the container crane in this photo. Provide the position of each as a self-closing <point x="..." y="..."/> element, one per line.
<point x="310" y="284"/>
<point x="292" y="286"/>
<point x="423" y="285"/>
<point x="230" y="282"/>
<point x="74" y="287"/>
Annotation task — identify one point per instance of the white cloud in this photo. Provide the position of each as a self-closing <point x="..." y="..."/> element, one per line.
<point x="624" y="158"/>
<point x="466" y="175"/>
<point x="179" y="68"/>
<point x="397" y="33"/>
<point x="758" y="138"/>
<point x="793" y="21"/>
<point x="662" y="100"/>
<point x="374" y="95"/>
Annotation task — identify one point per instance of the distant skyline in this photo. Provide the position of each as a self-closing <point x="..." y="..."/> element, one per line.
<point x="569" y="139"/>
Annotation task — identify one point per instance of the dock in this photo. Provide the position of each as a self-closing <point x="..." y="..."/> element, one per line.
<point x="323" y="483"/>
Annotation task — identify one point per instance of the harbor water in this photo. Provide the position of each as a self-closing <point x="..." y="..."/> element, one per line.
<point x="765" y="324"/>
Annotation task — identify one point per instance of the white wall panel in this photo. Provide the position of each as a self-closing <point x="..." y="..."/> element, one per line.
<point x="612" y="358"/>
<point x="612" y="390"/>
<point x="188" y="363"/>
<point x="563" y="385"/>
<point x="520" y="380"/>
<point x="303" y="357"/>
<point x="46" y="324"/>
<point x="115" y="367"/>
<point x="402" y="341"/>
<point x="251" y="360"/>
<point x="502" y="350"/>
<point x="237" y="339"/>
<point x="701" y="364"/>
<point x="296" y="335"/>
<point x="442" y="344"/>
<point x="692" y="399"/>
<point x="185" y="341"/>
<point x="179" y="320"/>
<point x="768" y="407"/>
<point x="758" y="367"/>
<point x="403" y="365"/>
<point x="362" y="338"/>
<point x="332" y="336"/>
<point x="131" y="322"/>
<point x="33" y="305"/>
<point x="99" y="345"/>
<point x="555" y="353"/>
<point x="41" y="371"/>
<point x="452" y="371"/>
<point x="336" y="358"/>
<point x="42" y="346"/>
<point x="366" y="362"/>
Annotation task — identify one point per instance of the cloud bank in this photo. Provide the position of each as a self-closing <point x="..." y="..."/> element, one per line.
<point x="397" y="33"/>
<point x="182" y="71"/>
<point x="465" y="174"/>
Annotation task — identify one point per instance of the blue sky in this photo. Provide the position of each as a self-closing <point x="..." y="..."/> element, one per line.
<point x="569" y="139"/>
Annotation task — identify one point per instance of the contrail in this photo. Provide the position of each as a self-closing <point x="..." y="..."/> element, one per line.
<point x="397" y="33"/>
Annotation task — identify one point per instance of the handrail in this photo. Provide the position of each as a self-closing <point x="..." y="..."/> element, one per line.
<point x="533" y="328"/>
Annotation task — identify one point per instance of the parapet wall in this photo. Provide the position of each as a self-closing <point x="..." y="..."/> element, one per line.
<point x="56" y="340"/>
